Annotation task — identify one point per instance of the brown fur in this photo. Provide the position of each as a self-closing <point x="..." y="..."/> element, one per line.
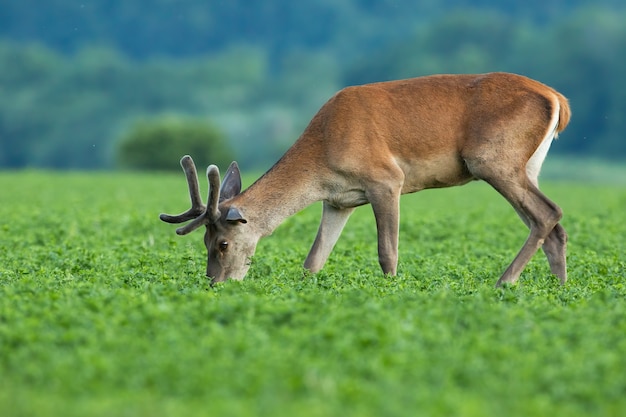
<point x="372" y="143"/>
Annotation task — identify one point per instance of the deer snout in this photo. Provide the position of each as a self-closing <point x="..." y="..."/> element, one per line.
<point x="215" y="278"/>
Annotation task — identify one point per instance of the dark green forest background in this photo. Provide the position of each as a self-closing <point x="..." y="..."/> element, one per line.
<point x="75" y="76"/>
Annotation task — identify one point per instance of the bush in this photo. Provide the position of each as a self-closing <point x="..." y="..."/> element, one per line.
<point x="159" y="144"/>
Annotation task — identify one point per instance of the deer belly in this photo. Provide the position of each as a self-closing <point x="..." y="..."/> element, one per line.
<point x="435" y="173"/>
<point x="348" y="199"/>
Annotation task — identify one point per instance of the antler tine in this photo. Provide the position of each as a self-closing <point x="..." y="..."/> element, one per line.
<point x="192" y="180"/>
<point x="213" y="175"/>
<point x="197" y="208"/>
<point x="211" y="214"/>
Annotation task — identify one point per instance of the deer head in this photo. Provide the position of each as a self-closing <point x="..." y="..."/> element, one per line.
<point x="229" y="246"/>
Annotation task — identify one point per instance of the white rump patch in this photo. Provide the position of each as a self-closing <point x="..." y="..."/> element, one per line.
<point x="533" y="166"/>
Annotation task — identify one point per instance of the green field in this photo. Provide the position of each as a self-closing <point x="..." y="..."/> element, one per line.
<point x="104" y="311"/>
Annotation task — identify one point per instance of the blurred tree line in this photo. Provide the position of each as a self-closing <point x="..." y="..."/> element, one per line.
<point x="75" y="77"/>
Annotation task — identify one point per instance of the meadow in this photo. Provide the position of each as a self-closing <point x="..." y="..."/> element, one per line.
<point x="104" y="311"/>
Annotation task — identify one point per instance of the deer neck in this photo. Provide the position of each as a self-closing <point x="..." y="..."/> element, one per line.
<point x="291" y="185"/>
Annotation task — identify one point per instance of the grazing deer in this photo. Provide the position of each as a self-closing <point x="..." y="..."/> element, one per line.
<point x="375" y="142"/>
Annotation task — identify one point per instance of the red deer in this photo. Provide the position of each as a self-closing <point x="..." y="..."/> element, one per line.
<point x="375" y="142"/>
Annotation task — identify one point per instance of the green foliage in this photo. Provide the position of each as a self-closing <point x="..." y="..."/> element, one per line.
<point x="190" y="28"/>
<point x="105" y="311"/>
<point x="153" y="145"/>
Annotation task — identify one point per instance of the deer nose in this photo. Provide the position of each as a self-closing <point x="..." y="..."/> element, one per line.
<point x="215" y="279"/>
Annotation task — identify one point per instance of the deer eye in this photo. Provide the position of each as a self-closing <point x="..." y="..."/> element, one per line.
<point x="223" y="245"/>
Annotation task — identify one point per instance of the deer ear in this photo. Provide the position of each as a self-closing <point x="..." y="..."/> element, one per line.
<point x="231" y="185"/>
<point x="234" y="215"/>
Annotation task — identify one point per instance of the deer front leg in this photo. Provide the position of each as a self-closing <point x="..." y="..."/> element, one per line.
<point x="386" y="207"/>
<point x="331" y="225"/>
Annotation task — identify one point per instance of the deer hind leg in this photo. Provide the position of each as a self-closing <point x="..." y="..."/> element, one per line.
<point x="554" y="248"/>
<point x="536" y="210"/>
<point x="331" y="225"/>
<point x="555" y="244"/>
<point x="542" y="215"/>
